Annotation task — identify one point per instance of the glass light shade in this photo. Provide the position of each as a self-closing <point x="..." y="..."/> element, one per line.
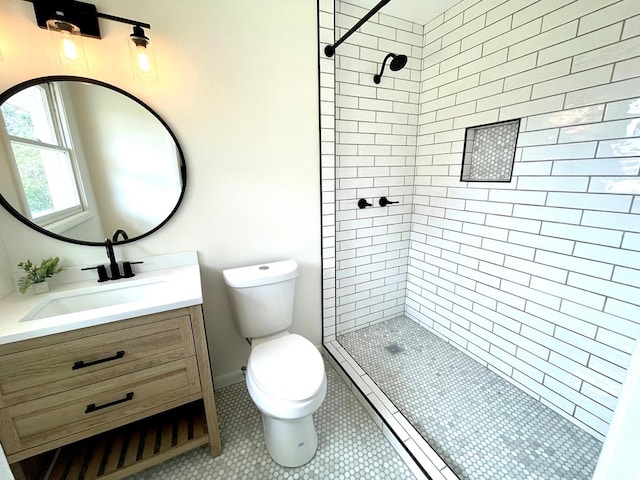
<point x="68" y="45"/>
<point x="142" y="56"/>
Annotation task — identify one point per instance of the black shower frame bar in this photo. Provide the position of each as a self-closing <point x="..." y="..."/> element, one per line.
<point x="329" y="50"/>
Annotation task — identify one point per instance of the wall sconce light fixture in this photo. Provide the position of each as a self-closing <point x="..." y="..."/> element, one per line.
<point x="70" y="20"/>
<point x="67" y="45"/>
<point x="142" y="55"/>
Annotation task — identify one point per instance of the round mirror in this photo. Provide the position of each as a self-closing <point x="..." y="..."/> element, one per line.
<point x="83" y="161"/>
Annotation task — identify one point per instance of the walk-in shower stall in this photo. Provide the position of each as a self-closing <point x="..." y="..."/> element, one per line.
<point x="481" y="226"/>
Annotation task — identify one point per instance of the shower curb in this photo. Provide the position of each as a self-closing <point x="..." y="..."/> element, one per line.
<point x="422" y="460"/>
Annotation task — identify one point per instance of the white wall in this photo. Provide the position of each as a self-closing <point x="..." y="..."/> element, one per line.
<point x="6" y="278"/>
<point x="238" y="86"/>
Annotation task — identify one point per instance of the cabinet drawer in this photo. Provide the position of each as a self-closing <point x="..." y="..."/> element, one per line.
<point x="99" y="406"/>
<point x="76" y="359"/>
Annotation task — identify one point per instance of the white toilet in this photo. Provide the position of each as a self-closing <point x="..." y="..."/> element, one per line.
<point x="285" y="372"/>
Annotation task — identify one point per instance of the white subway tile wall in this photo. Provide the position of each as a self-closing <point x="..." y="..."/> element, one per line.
<point x="328" y="148"/>
<point x="538" y="279"/>
<point x="372" y="285"/>
<point x="375" y="137"/>
<point x="551" y="266"/>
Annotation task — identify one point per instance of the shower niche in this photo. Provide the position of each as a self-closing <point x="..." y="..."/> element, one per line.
<point x="489" y="152"/>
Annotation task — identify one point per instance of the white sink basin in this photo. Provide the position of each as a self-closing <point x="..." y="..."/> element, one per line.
<point x="99" y="296"/>
<point x="163" y="283"/>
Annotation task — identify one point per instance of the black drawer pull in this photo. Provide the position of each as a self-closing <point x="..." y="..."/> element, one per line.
<point x="81" y="364"/>
<point x="92" y="407"/>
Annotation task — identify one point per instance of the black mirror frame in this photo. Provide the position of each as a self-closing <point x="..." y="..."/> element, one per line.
<point x="60" y="78"/>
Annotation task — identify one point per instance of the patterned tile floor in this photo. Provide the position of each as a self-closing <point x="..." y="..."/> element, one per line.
<point x="483" y="427"/>
<point x="350" y="445"/>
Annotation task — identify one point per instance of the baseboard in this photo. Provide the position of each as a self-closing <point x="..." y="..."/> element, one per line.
<point x="227" y="379"/>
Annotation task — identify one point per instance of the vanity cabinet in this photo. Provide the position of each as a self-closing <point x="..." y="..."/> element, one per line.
<point x="114" y="398"/>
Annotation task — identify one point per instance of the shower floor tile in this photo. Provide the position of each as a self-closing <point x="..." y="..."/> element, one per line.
<point x="482" y="426"/>
<point x="350" y="445"/>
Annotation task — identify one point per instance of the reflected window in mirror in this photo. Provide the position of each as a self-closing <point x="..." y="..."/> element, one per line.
<point x="42" y="156"/>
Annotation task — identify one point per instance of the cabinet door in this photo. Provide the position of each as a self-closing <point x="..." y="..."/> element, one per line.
<point x="99" y="406"/>
<point x="75" y="359"/>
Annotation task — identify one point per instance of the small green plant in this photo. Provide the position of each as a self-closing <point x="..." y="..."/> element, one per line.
<point x="37" y="274"/>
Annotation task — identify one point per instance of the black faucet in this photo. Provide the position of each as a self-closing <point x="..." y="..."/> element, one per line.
<point x="120" y="232"/>
<point x="113" y="264"/>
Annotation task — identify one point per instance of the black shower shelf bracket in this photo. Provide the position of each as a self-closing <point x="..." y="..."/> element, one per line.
<point x="329" y="50"/>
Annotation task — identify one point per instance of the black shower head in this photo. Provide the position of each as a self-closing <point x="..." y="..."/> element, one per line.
<point x="397" y="63"/>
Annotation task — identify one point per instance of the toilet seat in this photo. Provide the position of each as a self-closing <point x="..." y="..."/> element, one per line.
<point x="288" y="367"/>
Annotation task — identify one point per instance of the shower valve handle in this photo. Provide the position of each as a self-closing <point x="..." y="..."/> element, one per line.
<point x="384" y="202"/>
<point x="362" y="203"/>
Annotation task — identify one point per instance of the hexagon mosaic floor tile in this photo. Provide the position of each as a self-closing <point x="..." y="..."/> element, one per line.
<point x="482" y="426"/>
<point x="350" y="444"/>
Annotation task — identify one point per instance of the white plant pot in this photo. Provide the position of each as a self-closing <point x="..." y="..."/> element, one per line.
<point x="42" y="287"/>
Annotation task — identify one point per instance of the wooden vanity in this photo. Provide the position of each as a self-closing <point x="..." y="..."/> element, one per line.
<point x="109" y="400"/>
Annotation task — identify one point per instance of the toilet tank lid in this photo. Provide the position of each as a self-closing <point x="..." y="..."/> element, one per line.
<point x="263" y="274"/>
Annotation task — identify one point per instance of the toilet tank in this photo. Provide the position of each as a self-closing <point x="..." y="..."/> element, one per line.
<point x="261" y="297"/>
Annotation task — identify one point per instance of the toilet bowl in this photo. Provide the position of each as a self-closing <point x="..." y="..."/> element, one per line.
<point x="285" y="372"/>
<point x="287" y="383"/>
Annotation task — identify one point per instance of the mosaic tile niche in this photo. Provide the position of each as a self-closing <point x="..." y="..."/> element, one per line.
<point x="489" y="152"/>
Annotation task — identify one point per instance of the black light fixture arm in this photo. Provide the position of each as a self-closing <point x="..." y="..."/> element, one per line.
<point x="329" y="50"/>
<point x="83" y="15"/>
<point x="128" y="21"/>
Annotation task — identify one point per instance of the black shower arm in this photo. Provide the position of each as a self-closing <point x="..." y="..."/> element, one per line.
<point x="329" y="50"/>
<point x="384" y="63"/>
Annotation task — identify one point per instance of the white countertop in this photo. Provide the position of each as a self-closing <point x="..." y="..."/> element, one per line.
<point x="171" y="281"/>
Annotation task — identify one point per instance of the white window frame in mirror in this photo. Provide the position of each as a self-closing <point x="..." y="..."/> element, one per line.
<point x="54" y="108"/>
